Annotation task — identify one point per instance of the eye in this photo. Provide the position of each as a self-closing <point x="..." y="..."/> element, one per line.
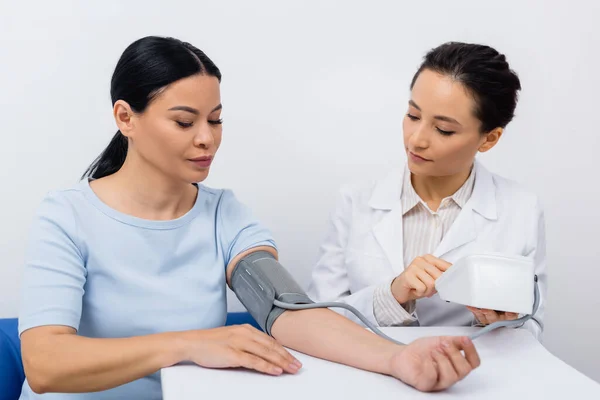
<point x="412" y="117"/>
<point x="445" y="133"/>
<point x="215" y="121"/>
<point x="184" y="124"/>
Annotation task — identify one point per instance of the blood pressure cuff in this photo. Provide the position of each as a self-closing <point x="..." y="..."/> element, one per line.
<point x="257" y="280"/>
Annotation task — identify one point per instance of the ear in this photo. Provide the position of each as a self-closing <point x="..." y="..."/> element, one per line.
<point x="490" y="139"/>
<point x="124" y="117"/>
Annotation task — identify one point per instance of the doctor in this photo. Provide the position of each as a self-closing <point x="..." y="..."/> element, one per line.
<point x="390" y="239"/>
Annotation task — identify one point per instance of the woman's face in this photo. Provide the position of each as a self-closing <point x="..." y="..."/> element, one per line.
<point x="180" y="131"/>
<point x="441" y="133"/>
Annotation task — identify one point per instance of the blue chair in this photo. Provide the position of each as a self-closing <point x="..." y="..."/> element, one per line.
<point x="240" y="318"/>
<point x="12" y="374"/>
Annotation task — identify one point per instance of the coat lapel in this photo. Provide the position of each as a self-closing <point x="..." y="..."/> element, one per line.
<point x="388" y="229"/>
<point x="462" y="231"/>
<point x="482" y="203"/>
<point x="388" y="232"/>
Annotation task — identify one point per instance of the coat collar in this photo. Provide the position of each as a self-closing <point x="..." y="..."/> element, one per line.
<point x="388" y="230"/>
<point x="388" y="192"/>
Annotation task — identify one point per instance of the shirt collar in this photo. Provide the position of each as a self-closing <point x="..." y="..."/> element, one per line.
<point x="410" y="198"/>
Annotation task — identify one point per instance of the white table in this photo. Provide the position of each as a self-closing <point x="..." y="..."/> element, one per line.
<point x="514" y="366"/>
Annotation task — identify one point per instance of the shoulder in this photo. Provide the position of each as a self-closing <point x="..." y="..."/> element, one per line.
<point x="218" y="198"/>
<point x="56" y="217"/>
<point x="210" y="192"/>
<point x="511" y="201"/>
<point x="63" y="203"/>
<point x="359" y="190"/>
<point x="382" y="191"/>
<point x="224" y="203"/>
<point x="515" y="194"/>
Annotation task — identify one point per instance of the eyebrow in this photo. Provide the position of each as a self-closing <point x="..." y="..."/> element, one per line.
<point x="193" y="110"/>
<point x="438" y="117"/>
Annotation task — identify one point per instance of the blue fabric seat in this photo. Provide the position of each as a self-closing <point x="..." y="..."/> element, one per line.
<point x="240" y="318"/>
<point x="11" y="367"/>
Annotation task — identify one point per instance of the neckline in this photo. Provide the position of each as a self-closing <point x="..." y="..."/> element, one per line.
<point x="141" y="222"/>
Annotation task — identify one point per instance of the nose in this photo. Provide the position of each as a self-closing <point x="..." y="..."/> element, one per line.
<point x="204" y="137"/>
<point x="419" y="138"/>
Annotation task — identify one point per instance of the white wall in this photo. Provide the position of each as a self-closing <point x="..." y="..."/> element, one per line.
<point x="314" y="94"/>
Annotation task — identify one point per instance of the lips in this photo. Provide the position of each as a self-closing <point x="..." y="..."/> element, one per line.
<point x="417" y="157"/>
<point x="203" y="158"/>
<point x="201" y="162"/>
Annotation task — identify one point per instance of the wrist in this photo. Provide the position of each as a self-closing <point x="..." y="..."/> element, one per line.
<point x="175" y="348"/>
<point x="400" y="297"/>
<point x="392" y="356"/>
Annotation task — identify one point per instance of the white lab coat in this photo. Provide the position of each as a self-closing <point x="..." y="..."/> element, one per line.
<point x="363" y="246"/>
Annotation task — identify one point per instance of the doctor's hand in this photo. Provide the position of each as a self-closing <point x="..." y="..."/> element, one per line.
<point x="435" y="363"/>
<point x="486" y="317"/>
<point x="418" y="279"/>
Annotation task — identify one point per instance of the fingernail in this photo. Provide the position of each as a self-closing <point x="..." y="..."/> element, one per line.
<point x="466" y="340"/>
<point x="293" y="367"/>
<point x="276" y="370"/>
<point x="298" y="363"/>
<point x="446" y="344"/>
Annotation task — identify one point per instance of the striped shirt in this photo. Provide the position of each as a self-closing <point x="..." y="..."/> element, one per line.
<point x="423" y="231"/>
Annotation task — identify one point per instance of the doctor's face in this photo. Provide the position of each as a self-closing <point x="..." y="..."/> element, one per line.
<point x="441" y="133"/>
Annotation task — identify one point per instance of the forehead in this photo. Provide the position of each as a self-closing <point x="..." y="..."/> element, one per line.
<point x="438" y="94"/>
<point x="198" y="91"/>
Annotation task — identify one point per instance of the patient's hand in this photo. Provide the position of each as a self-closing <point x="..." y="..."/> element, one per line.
<point x="435" y="363"/>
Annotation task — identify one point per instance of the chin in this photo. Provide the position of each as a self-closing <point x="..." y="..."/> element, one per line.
<point x="195" y="177"/>
<point x="419" y="169"/>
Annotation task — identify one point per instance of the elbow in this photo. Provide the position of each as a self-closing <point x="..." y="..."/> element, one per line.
<point x="39" y="385"/>
<point x="36" y="387"/>
<point x="39" y="349"/>
<point x="39" y="380"/>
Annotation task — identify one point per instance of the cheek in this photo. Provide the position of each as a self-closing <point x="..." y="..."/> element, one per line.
<point x="407" y="129"/>
<point x="457" y="153"/>
<point x="218" y="136"/>
<point x="161" y="139"/>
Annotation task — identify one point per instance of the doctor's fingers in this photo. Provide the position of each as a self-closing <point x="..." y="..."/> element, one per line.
<point x="440" y="264"/>
<point x="415" y="284"/>
<point x="479" y="315"/>
<point x="491" y="316"/>
<point x="423" y="264"/>
<point x="433" y="271"/>
<point x="428" y="281"/>
<point x="509" y="316"/>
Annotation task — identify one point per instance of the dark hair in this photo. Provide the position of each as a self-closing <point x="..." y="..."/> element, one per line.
<point x="145" y="67"/>
<point x="486" y="75"/>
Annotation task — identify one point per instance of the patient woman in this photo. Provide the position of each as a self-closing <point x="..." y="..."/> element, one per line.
<point x="390" y="239"/>
<point x="126" y="272"/>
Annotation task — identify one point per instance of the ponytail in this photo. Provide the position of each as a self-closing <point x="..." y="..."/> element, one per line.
<point x="111" y="160"/>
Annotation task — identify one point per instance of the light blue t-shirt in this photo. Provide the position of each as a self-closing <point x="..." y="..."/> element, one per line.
<point x="112" y="275"/>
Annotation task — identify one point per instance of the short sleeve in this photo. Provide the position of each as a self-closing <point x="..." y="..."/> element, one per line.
<point x="238" y="229"/>
<point x="54" y="273"/>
